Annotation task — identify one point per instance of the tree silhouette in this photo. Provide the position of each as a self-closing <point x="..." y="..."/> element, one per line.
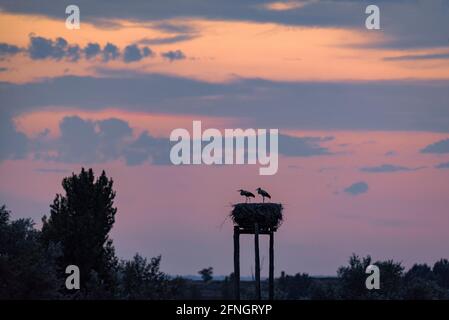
<point x="206" y="274"/>
<point x="142" y="280"/>
<point x="294" y="287"/>
<point x="27" y="269"/>
<point x="419" y="271"/>
<point x="391" y="275"/>
<point x="353" y="277"/>
<point x="80" y="222"/>
<point x="441" y="272"/>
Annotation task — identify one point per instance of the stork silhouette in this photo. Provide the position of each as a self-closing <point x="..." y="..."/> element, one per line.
<point x="246" y="194"/>
<point x="263" y="193"/>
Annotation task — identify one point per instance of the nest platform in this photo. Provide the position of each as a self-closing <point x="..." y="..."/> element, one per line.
<point x="268" y="216"/>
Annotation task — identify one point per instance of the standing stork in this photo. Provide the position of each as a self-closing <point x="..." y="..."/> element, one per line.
<point x="246" y="194"/>
<point x="263" y="193"/>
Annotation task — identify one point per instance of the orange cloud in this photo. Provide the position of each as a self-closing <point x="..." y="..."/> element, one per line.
<point x="285" y="5"/>
<point x="225" y="49"/>
<point x="159" y="125"/>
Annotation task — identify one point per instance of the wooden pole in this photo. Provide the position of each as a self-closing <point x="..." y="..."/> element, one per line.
<point x="237" y="263"/>
<point x="271" y="273"/>
<point x="257" y="260"/>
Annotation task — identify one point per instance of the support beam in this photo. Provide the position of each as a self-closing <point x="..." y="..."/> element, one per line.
<point x="271" y="273"/>
<point x="251" y="231"/>
<point x="237" y="263"/>
<point x="257" y="260"/>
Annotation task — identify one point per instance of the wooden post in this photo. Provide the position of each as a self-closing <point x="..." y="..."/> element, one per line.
<point x="237" y="263"/>
<point x="271" y="273"/>
<point x="257" y="260"/>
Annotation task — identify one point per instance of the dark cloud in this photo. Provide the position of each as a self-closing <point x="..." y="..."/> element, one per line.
<point x="444" y="165"/>
<point x="386" y="168"/>
<point x="175" y="27"/>
<point x="357" y="188"/>
<point x="167" y="40"/>
<point x="73" y="53"/>
<point x="13" y="144"/>
<point x="437" y="147"/>
<point x="386" y="105"/>
<point x="317" y="13"/>
<point x="112" y="134"/>
<point x="86" y="141"/>
<point x="78" y="142"/>
<point x="147" y="52"/>
<point x="409" y="24"/>
<point x="148" y="148"/>
<point x="8" y="49"/>
<point x="302" y="146"/>
<point x="42" y="48"/>
<point x="114" y="129"/>
<point x="110" y="52"/>
<point x="411" y="57"/>
<point x="3" y="69"/>
<point x="134" y="53"/>
<point x="178" y="32"/>
<point x="174" y="55"/>
<point x="129" y="91"/>
<point x="108" y="24"/>
<point x="92" y="50"/>
<point x="391" y="153"/>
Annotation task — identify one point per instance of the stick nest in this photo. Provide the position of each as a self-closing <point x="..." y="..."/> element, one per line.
<point x="266" y="215"/>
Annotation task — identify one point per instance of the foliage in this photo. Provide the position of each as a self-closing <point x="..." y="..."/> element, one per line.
<point x="294" y="287"/>
<point x="140" y="279"/>
<point x="206" y="274"/>
<point x="441" y="272"/>
<point x="27" y="269"/>
<point x="80" y="222"/>
<point x="352" y="278"/>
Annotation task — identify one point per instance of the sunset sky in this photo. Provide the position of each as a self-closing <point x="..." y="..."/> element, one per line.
<point x="363" y="117"/>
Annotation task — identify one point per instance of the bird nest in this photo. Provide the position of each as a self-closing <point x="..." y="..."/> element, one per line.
<point x="266" y="215"/>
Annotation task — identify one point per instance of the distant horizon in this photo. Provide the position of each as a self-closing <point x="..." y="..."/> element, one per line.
<point x="243" y="278"/>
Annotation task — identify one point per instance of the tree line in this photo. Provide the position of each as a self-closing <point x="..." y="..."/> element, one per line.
<point x="76" y="232"/>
